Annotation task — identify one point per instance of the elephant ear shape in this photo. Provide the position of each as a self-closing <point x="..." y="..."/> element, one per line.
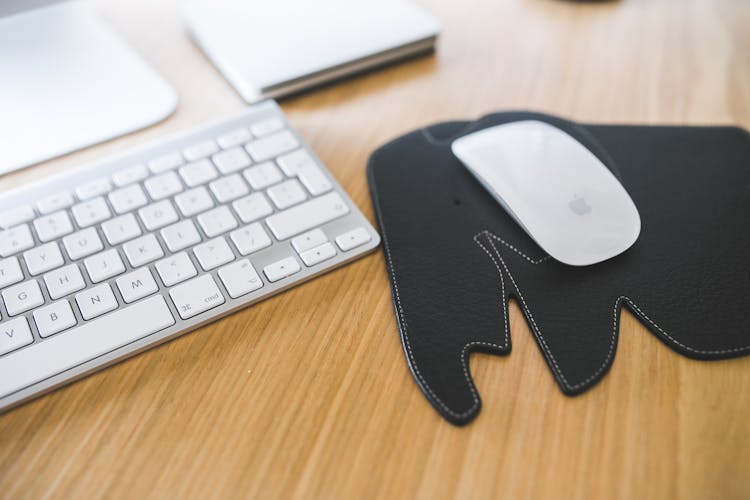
<point x="455" y="258"/>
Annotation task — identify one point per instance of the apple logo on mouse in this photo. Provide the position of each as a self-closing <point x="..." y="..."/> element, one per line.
<point x="579" y="206"/>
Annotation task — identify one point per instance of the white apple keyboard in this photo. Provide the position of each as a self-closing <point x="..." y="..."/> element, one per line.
<point x="110" y="259"/>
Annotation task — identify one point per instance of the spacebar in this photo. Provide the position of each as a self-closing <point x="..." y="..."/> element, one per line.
<point x="84" y="343"/>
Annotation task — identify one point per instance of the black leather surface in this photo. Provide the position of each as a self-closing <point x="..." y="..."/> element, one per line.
<point x="455" y="258"/>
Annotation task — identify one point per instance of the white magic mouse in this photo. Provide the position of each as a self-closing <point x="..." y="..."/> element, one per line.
<point x="562" y="195"/>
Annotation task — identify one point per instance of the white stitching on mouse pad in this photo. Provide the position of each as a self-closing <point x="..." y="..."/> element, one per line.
<point x="519" y="252"/>
<point x="464" y="363"/>
<point x="612" y="343"/>
<point x="404" y="329"/>
<point x="536" y="330"/>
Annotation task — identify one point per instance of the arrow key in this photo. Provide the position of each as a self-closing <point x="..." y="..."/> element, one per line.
<point x="281" y="269"/>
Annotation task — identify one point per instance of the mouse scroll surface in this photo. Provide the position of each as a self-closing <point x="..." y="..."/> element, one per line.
<point x="562" y="195"/>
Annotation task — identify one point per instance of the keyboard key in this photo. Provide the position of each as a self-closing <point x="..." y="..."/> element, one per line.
<point x="10" y="272"/>
<point x="14" y="334"/>
<point x="281" y="269"/>
<point x="252" y="207"/>
<point x="158" y="215"/>
<point x="122" y="228"/>
<point x="165" y="162"/>
<point x="263" y="175"/>
<point x="301" y="164"/>
<point x="307" y="215"/>
<point x="314" y="180"/>
<point x="267" y="126"/>
<point x="93" y="188"/>
<point x="196" y="296"/>
<point x="82" y="243"/>
<point x="352" y="239"/>
<point x="175" y="269"/>
<point x="213" y="253"/>
<point x="54" y="318"/>
<point x="231" y="160"/>
<point x="22" y="297"/>
<point x="15" y="239"/>
<point x="43" y="258"/>
<point x="194" y="201"/>
<point x="286" y="194"/>
<point x="128" y="198"/>
<point x="129" y="175"/>
<point x="142" y="250"/>
<point x="217" y="221"/>
<point x="250" y="239"/>
<point x="198" y="172"/>
<point x="234" y="138"/>
<point x="229" y="188"/>
<point x="16" y="216"/>
<point x="63" y="281"/>
<point x="163" y="185"/>
<point x="200" y="150"/>
<point x="310" y="239"/>
<point x="53" y="226"/>
<point x="272" y="145"/>
<point x="82" y="343"/>
<point x="54" y="202"/>
<point x="96" y="301"/>
<point x="104" y="265"/>
<point x="181" y="235"/>
<point x="318" y="254"/>
<point x="240" y="278"/>
<point x="291" y="163"/>
<point x="91" y="212"/>
<point x="136" y="285"/>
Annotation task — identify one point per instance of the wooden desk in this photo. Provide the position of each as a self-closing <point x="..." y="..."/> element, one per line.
<point x="308" y="394"/>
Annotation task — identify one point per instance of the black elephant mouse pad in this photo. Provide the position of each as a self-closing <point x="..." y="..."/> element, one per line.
<point x="455" y="258"/>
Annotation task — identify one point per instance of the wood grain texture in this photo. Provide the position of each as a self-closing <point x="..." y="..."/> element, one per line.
<point x="307" y="395"/>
